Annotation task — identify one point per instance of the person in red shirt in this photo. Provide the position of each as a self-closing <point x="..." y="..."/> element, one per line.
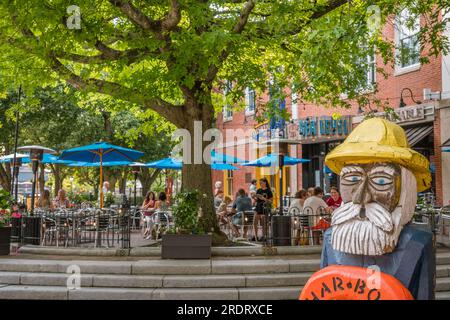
<point x="335" y="200"/>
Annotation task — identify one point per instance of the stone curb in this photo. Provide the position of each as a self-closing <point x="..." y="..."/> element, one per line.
<point x="156" y="252"/>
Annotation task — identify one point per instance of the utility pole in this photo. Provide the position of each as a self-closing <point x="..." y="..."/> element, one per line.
<point x="15" y="176"/>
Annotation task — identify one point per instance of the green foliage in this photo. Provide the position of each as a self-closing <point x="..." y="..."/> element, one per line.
<point x="5" y="199"/>
<point x="81" y="197"/>
<point x="186" y="212"/>
<point x="5" y="207"/>
<point x="109" y="199"/>
<point x="317" y="47"/>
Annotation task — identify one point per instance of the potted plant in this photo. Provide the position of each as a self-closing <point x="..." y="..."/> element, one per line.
<point x="5" y="228"/>
<point x="186" y="240"/>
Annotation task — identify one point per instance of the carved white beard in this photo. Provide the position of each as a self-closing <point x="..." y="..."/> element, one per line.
<point x="376" y="235"/>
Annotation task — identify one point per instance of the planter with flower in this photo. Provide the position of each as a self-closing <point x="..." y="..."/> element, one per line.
<point x="187" y="240"/>
<point x="5" y="217"/>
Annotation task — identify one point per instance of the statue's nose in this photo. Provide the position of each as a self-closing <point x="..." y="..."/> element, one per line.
<point x="361" y="195"/>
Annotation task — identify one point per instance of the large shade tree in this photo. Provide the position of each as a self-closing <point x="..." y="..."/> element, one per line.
<point x="170" y="55"/>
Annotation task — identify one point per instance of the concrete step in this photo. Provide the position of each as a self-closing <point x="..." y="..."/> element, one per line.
<point x="443" y="284"/>
<point x="157" y="281"/>
<point x="444" y="295"/>
<point x="61" y="293"/>
<point x="442" y="271"/>
<point x="163" y="267"/>
<point x="442" y="258"/>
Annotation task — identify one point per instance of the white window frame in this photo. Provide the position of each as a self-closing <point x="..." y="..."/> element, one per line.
<point x="399" y="36"/>
<point x="294" y="106"/>
<point x="248" y="110"/>
<point x="227" y="109"/>
<point x="371" y="70"/>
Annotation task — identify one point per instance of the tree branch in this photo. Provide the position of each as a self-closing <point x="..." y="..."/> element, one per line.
<point x="136" y="16"/>
<point x="245" y="13"/>
<point x="173" y="113"/>
<point x="131" y="55"/>
<point x="173" y="17"/>
<point x="237" y="29"/>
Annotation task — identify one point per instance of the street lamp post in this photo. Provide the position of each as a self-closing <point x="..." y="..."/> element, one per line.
<point x="36" y="155"/>
<point x="16" y="167"/>
<point x="402" y="103"/>
<point x="15" y="181"/>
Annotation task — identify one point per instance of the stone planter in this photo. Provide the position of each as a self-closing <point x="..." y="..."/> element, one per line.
<point x="5" y="240"/>
<point x="186" y="246"/>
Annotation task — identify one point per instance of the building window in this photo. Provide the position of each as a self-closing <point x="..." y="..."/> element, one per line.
<point x="294" y="106"/>
<point x="250" y="101"/>
<point x="407" y="40"/>
<point x="230" y="182"/>
<point x="371" y="70"/>
<point x="227" y="109"/>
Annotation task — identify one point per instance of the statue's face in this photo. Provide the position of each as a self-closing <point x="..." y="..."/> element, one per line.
<point x="377" y="200"/>
<point x="380" y="183"/>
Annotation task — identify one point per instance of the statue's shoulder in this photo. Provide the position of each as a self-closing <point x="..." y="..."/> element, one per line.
<point x="417" y="233"/>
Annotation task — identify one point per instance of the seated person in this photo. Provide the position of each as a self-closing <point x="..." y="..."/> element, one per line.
<point x="297" y="205"/>
<point x="222" y="211"/>
<point x="147" y="212"/>
<point x="44" y="202"/>
<point x="335" y="200"/>
<point x="242" y="203"/>
<point x="314" y="206"/>
<point x="218" y="198"/>
<point x="61" y="201"/>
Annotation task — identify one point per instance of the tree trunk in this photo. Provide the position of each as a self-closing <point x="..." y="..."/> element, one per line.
<point x="123" y="181"/>
<point x="56" y="170"/>
<point x="147" y="179"/>
<point x="197" y="176"/>
<point x="5" y="177"/>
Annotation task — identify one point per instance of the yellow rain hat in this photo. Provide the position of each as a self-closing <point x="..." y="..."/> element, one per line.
<point x="378" y="140"/>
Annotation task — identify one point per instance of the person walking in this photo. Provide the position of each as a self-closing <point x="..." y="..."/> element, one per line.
<point x="264" y="197"/>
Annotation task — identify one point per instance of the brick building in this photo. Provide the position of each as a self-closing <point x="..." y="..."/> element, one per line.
<point x="425" y="89"/>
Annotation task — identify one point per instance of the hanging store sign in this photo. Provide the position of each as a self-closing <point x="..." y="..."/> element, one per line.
<point x="410" y="114"/>
<point x="407" y="115"/>
<point x="264" y="132"/>
<point x="306" y="130"/>
<point x="319" y="128"/>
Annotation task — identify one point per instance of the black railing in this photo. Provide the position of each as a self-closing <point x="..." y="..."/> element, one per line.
<point x="74" y="228"/>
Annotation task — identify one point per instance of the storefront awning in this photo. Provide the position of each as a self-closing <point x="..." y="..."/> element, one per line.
<point x="415" y="135"/>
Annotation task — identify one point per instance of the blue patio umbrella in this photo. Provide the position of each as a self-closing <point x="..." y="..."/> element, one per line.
<point x="101" y="152"/>
<point x="166" y="163"/>
<point x="173" y="164"/>
<point x="272" y="159"/>
<point x="223" y="166"/>
<point x="48" y="159"/>
<point x="97" y="164"/>
<point x="217" y="157"/>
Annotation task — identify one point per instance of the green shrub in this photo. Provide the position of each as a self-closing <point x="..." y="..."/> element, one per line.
<point x="185" y="213"/>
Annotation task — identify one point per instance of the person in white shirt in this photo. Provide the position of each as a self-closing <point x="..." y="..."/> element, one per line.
<point x="297" y="205"/>
<point x="253" y="188"/>
<point x="314" y="207"/>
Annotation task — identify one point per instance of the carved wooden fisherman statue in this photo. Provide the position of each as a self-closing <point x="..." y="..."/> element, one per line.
<point x="380" y="177"/>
